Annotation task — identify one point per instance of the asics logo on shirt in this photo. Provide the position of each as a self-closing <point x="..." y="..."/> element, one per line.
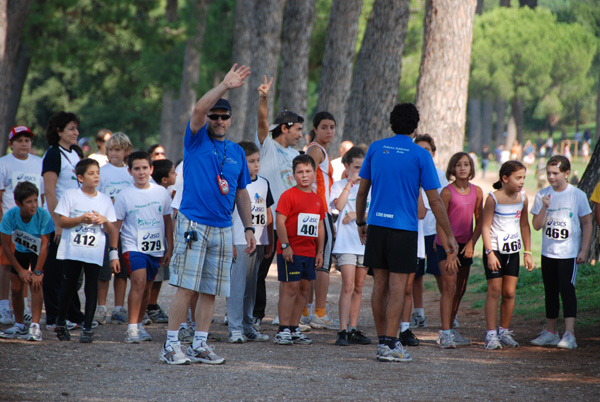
<point x="84" y="229"/>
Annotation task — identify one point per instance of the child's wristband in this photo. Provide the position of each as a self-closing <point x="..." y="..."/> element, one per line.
<point x="113" y="255"/>
<point x="527" y="252"/>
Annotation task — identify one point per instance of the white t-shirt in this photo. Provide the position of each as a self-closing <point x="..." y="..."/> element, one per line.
<point x="178" y="187"/>
<point x="259" y="200"/>
<point x="66" y="177"/>
<point x="561" y="234"/>
<point x="142" y="211"/>
<point x="101" y="159"/>
<point x="13" y="171"/>
<point x="83" y="242"/>
<point x="114" y="179"/>
<point x="421" y="230"/>
<point x="347" y="240"/>
<point x="429" y="223"/>
<point x="338" y="169"/>
<point x="276" y="167"/>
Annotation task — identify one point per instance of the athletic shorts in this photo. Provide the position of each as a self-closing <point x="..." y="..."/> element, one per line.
<point x="350" y="259"/>
<point x="328" y="245"/>
<point x="301" y="268"/>
<point x="509" y="265"/>
<point x="135" y="260"/>
<point x="164" y="274"/>
<point x="420" y="267"/>
<point x="394" y="250"/>
<point x="3" y="259"/>
<point x="433" y="265"/>
<point x="206" y="266"/>
<point x="25" y="260"/>
<point x="464" y="262"/>
<point x="106" y="272"/>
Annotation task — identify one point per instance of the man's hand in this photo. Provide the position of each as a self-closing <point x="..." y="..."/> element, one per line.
<point x="250" y="242"/>
<point x="362" y="234"/>
<point x="264" y="88"/>
<point x="167" y="257"/>
<point x="236" y="76"/>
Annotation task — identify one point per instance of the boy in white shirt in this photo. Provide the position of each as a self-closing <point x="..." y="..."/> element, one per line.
<point x="114" y="177"/>
<point x="144" y="219"/>
<point x="15" y="167"/>
<point x="84" y="214"/>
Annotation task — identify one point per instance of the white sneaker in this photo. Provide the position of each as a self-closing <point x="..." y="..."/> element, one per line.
<point x="546" y="338"/>
<point x="417" y="320"/>
<point x="446" y="341"/>
<point x="133" y="335"/>
<point x="173" y="354"/>
<point x="507" y="340"/>
<point x="236" y="337"/>
<point x="100" y="315"/>
<point x="35" y="333"/>
<point x="304" y="328"/>
<point x="324" y="322"/>
<point x="204" y="354"/>
<point x="284" y="337"/>
<point x="144" y="335"/>
<point x="255" y="336"/>
<point x="276" y="321"/>
<point x="492" y="342"/>
<point x="567" y="341"/>
<point x="459" y="340"/>
<point x="455" y="323"/>
<point x="398" y="354"/>
<point x="6" y="317"/>
<point x="15" y="332"/>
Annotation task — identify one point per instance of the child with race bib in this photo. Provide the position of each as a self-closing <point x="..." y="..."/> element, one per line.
<point x="505" y="233"/>
<point x="463" y="202"/>
<point x="28" y="226"/>
<point x="85" y="214"/>
<point x="565" y="217"/>
<point x="144" y="219"/>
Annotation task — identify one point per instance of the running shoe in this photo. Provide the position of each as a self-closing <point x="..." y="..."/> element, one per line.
<point x="284" y="338"/>
<point x="324" y="322"/>
<point x="133" y="335"/>
<point x="173" y="354"/>
<point x="214" y="337"/>
<point x="144" y="335"/>
<point x="236" y="337"/>
<point x="120" y="316"/>
<point x="14" y="332"/>
<point x="71" y="326"/>
<point x="342" y="338"/>
<point x="6" y="317"/>
<point x="62" y="333"/>
<point x="299" y="338"/>
<point x="100" y="315"/>
<point x="446" y="341"/>
<point x="546" y="338"/>
<point x="357" y="337"/>
<point x="276" y="321"/>
<point x="305" y="319"/>
<point x="417" y="320"/>
<point x="506" y="338"/>
<point x="146" y="320"/>
<point x="256" y="323"/>
<point x="27" y="317"/>
<point x="455" y="323"/>
<point x="86" y="337"/>
<point x="567" y="341"/>
<point x="407" y="338"/>
<point x="492" y="342"/>
<point x="398" y="354"/>
<point x="304" y="327"/>
<point x="158" y="315"/>
<point x="459" y="340"/>
<point x="186" y="335"/>
<point x="204" y="354"/>
<point x="255" y="336"/>
<point x="35" y="333"/>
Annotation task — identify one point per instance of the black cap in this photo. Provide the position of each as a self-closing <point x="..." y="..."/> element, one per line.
<point x="286" y="117"/>
<point x="222" y="104"/>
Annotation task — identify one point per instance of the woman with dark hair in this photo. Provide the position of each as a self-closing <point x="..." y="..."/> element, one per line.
<point x="58" y="171"/>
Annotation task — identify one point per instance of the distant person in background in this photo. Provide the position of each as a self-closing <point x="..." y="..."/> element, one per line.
<point x="157" y="152"/>
<point x="587" y="137"/>
<point x="528" y="154"/>
<point x="585" y="152"/>
<point x="485" y="159"/>
<point x="338" y="166"/>
<point x="549" y="145"/>
<point x="100" y="156"/>
<point x="567" y="150"/>
<point x="540" y="173"/>
<point x="575" y="179"/>
<point x="539" y="143"/>
<point x="516" y="152"/>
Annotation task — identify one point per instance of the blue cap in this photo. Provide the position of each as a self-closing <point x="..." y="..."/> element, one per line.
<point x="222" y="104"/>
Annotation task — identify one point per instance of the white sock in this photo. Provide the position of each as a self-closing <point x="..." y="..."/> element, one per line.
<point x="140" y="325"/>
<point x="420" y="312"/>
<point x="404" y="326"/>
<point x="34" y="325"/>
<point x="132" y="326"/>
<point x="104" y="307"/>
<point x="199" y="339"/>
<point x="502" y="330"/>
<point x="183" y="325"/>
<point x="492" y="332"/>
<point x="311" y="309"/>
<point x="172" y="336"/>
<point x="118" y="308"/>
<point x="4" y="304"/>
<point x="350" y="329"/>
<point x="193" y="325"/>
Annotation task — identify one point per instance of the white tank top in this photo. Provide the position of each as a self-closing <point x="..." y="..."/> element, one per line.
<point x="323" y="178"/>
<point x="505" y="232"/>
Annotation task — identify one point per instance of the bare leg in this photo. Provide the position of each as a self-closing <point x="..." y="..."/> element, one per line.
<point x="17" y="298"/>
<point x="300" y="301"/>
<point x="379" y="300"/>
<point x="395" y="305"/>
<point x="287" y="299"/>
<point x="120" y="288"/>
<point x="321" y="289"/>
<point x="103" y="287"/>
<point x="205" y="309"/>
<point x="5" y="276"/>
<point x="448" y="280"/>
<point x="154" y="292"/>
<point x="145" y="299"/>
<point x="359" y="279"/>
<point x="408" y="299"/>
<point x="180" y="303"/>
<point x="509" y="285"/>
<point x="461" y="287"/>
<point x="417" y="291"/>
<point x="348" y="274"/>
<point x="136" y="295"/>
<point x="491" y="303"/>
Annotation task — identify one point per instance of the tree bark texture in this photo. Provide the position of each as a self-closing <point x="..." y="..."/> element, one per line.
<point x="293" y="85"/>
<point x="500" y="121"/>
<point x="242" y="54"/>
<point x="528" y="3"/>
<point x="504" y="3"/>
<point x="588" y="182"/>
<point x="487" y="116"/>
<point x="444" y="74"/>
<point x="171" y="12"/>
<point x="475" y="125"/>
<point x="598" y="114"/>
<point x="479" y="8"/>
<point x="266" y="48"/>
<point x="338" y="59"/>
<point x="13" y="16"/>
<point x="377" y="72"/>
<point x="19" y="78"/>
<point x="517" y="113"/>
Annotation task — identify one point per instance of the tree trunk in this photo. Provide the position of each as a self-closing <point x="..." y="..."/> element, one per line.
<point x="171" y="10"/>
<point x="504" y="3"/>
<point x="167" y="120"/>
<point x="266" y="48"/>
<point x="242" y="54"/>
<point x="338" y="59"/>
<point x="20" y="76"/>
<point x="486" y="123"/>
<point x="475" y="125"/>
<point x="517" y="113"/>
<point x="377" y="73"/>
<point x="598" y="114"/>
<point x="443" y="82"/>
<point x="588" y="182"/>
<point x="500" y="121"/>
<point x="293" y="88"/>
<point x="479" y="8"/>
<point x="528" y="3"/>
<point x="13" y="15"/>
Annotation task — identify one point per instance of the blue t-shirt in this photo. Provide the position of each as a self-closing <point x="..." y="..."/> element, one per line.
<point x="397" y="167"/>
<point x="40" y="224"/>
<point x="202" y="200"/>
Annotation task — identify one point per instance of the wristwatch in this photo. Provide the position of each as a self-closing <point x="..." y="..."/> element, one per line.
<point x="38" y="272"/>
<point x="361" y="224"/>
<point x="284" y="246"/>
<point x="249" y="228"/>
<point x="487" y="252"/>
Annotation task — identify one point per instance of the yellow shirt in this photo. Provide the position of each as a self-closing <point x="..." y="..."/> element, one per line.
<point x="596" y="194"/>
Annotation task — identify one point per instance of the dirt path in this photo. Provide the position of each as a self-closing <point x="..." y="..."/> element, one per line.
<point x="110" y="370"/>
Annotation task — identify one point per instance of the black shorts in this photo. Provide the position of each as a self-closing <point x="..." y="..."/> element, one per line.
<point x="105" y="271"/>
<point x="464" y="262"/>
<point x="509" y="265"/>
<point x="420" y="267"/>
<point x="394" y="250"/>
<point x="25" y="260"/>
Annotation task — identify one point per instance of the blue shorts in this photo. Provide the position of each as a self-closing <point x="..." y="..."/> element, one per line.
<point x="135" y="260"/>
<point x="433" y="263"/>
<point x="301" y="268"/>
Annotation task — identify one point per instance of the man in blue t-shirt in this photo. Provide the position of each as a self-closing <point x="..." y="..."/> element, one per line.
<point x="394" y="169"/>
<point x="215" y="173"/>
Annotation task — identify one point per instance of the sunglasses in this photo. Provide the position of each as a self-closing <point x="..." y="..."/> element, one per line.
<point x="215" y="117"/>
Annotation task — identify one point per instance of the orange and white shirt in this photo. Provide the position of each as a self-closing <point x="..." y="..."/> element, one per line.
<point x="323" y="179"/>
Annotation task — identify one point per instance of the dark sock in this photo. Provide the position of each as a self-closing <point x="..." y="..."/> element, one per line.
<point x="293" y="328"/>
<point x="282" y="328"/>
<point x="391" y="342"/>
<point x="381" y="340"/>
<point x="152" y="307"/>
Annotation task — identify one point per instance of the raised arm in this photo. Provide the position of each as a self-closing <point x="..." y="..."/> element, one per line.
<point x="263" y="113"/>
<point x="234" y="79"/>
